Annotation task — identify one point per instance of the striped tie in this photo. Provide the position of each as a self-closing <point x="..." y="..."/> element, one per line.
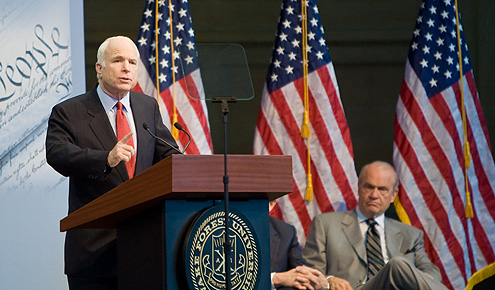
<point x="373" y="249"/>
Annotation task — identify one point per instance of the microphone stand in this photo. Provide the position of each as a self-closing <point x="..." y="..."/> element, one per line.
<point x="226" y="248"/>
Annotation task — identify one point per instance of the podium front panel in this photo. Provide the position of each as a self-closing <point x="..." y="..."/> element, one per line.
<point x="151" y="244"/>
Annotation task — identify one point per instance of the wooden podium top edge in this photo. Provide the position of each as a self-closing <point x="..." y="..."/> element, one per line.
<point x="187" y="177"/>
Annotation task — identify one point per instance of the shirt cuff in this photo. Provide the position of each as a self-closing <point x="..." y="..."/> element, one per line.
<point x="329" y="277"/>
<point x="271" y="280"/>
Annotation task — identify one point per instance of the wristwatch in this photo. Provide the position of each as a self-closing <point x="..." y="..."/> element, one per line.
<point x="328" y="280"/>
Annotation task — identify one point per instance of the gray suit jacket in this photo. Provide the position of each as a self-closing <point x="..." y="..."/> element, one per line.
<point x="78" y="141"/>
<point x="335" y="246"/>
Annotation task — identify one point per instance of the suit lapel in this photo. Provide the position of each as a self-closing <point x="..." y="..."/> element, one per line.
<point x="351" y="229"/>
<point x="102" y="129"/>
<point x="393" y="239"/>
<point x="138" y="113"/>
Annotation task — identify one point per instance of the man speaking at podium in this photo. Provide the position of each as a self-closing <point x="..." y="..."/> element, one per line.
<point x="97" y="140"/>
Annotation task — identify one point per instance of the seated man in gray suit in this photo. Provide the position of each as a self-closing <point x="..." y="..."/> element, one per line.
<point x="288" y="267"/>
<point x="362" y="249"/>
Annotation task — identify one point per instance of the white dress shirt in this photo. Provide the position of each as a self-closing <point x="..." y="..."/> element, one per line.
<point x="111" y="110"/>
<point x="380" y="227"/>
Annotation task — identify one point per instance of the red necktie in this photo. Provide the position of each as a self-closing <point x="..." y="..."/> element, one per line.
<point x="122" y="130"/>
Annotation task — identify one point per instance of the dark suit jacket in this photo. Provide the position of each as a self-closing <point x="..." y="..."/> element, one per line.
<point x="78" y="141"/>
<point x="285" y="251"/>
<point x="335" y="246"/>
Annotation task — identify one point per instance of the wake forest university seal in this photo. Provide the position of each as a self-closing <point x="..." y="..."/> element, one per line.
<point x="204" y="252"/>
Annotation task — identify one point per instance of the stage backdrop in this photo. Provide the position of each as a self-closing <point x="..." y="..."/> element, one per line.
<point x="41" y="64"/>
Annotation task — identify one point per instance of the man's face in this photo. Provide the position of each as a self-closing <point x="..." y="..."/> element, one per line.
<point x="376" y="189"/>
<point x="119" y="73"/>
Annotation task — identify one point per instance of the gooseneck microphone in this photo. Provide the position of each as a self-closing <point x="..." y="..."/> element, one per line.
<point x="147" y="128"/>
<point x="180" y="128"/>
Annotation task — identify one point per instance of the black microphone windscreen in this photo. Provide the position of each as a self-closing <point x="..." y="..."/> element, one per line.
<point x="145" y="126"/>
<point x="178" y="126"/>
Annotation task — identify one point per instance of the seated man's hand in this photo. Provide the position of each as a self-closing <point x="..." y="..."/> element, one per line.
<point x="336" y="283"/>
<point x="318" y="280"/>
<point x="301" y="277"/>
<point x="322" y="282"/>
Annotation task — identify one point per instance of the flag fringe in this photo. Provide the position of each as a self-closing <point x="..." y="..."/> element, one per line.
<point x="480" y="276"/>
<point x="467" y="155"/>
<point x="401" y="212"/>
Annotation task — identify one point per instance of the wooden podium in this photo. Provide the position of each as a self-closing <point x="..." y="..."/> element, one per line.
<point x="153" y="212"/>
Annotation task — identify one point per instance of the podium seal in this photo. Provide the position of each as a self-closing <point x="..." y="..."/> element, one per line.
<point x="204" y="251"/>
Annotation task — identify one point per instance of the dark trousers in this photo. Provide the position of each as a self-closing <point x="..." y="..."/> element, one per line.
<point x="92" y="283"/>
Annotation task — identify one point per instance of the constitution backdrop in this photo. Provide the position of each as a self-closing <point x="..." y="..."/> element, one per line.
<point x="41" y="64"/>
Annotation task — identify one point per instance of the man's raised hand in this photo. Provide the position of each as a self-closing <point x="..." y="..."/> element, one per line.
<point x="121" y="152"/>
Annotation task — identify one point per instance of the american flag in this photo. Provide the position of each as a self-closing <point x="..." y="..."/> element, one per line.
<point x="429" y="149"/>
<point x="165" y="28"/>
<point x="281" y="117"/>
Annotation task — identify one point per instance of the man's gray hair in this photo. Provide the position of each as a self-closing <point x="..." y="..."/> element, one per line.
<point x="100" y="54"/>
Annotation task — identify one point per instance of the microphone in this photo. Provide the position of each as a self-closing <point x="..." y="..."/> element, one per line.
<point x="180" y="128"/>
<point x="147" y="128"/>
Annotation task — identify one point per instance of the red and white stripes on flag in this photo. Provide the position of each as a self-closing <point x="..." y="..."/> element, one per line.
<point x="281" y="118"/>
<point x="160" y="47"/>
<point x="429" y="150"/>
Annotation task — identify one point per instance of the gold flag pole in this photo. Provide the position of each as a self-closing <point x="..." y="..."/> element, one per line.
<point x="467" y="152"/>
<point x="305" y="130"/>
<point x="175" y="132"/>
